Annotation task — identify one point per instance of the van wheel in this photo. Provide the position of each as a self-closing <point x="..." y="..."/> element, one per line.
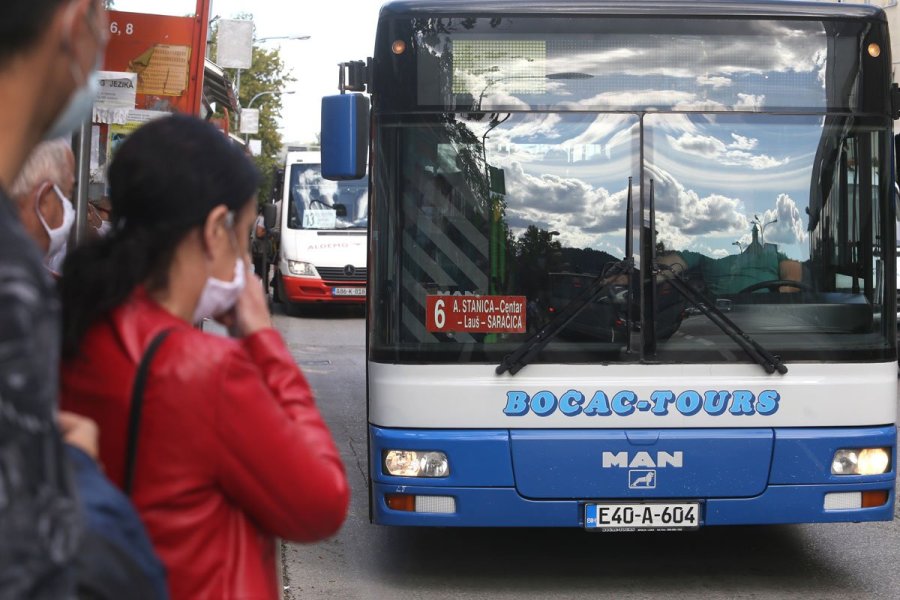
<point x="280" y="297"/>
<point x="278" y="289"/>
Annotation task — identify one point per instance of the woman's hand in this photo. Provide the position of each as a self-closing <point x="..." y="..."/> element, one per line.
<point x="80" y="432"/>
<point x="251" y="313"/>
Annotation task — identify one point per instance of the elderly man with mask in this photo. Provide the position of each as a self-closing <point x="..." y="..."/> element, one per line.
<point x="49" y="54"/>
<point x="42" y="191"/>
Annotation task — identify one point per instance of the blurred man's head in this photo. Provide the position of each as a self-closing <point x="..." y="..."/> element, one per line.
<point x="49" y="53"/>
<point x="42" y="190"/>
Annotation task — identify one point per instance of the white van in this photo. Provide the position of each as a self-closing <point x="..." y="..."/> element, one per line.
<point x="323" y="235"/>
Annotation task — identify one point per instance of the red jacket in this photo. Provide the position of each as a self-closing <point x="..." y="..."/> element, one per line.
<point x="232" y="451"/>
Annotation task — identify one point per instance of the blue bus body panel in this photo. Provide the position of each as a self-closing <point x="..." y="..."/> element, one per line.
<point x="671" y="463"/>
<point x="504" y="507"/>
<point x="487" y="492"/>
<point x="804" y="455"/>
<point x="345" y="134"/>
<point x="783" y="504"/>
<point x="478" y="457"/>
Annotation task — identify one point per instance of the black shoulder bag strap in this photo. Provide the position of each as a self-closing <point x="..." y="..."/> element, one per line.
<point x="137" y="401"/>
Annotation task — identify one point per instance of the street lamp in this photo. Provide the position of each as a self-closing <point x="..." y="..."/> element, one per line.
<point x="562" y="76"/>
<point x="260" y="95"/>
<point x="283" y="37"/>
<point x="268" y="93"/>
<point x="762" y="227"/>
<point x="495" y="121"/>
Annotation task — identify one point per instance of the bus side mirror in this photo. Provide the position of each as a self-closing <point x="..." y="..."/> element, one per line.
<point x="345" y="136"/>
<point x="270" y="215"/>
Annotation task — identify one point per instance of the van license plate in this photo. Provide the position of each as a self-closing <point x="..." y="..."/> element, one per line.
<point x="348" y="291"/>
<point x="652" y="516"/>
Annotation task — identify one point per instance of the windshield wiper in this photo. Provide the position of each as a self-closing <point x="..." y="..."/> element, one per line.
<point x="525" y="353"/>
<point x="763" y="357"/>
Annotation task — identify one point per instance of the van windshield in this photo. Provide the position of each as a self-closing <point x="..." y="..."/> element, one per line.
<point x="316" y="203"/>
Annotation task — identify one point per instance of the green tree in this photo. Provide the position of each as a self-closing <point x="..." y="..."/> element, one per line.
<point x="266" y="73"/>
<point x="538" y="255"/>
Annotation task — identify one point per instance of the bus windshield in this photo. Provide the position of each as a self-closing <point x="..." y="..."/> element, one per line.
<point x="317" y="203"/>
<point x="760" y="186"/>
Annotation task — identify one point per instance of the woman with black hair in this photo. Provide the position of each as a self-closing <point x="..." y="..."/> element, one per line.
<point x="231" y="450"/>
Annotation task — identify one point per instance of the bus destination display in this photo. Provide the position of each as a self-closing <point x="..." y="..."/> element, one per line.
<point x="475" y="314"/>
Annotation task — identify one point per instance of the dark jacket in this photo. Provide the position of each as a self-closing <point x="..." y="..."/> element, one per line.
<point x="40" y="524"/>
<point x="231" y="452"/>
<point x="116" y="559"/>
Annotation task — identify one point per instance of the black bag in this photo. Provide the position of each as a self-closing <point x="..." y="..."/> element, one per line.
<point x="117" y="559"/>
<point x="137" y="405"/>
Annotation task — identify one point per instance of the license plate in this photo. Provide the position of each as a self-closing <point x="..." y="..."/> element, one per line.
<point x="348" y="291"/>
<point x="649" y="516"/>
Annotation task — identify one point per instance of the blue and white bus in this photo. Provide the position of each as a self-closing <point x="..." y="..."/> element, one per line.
<point x="628" y="262"/>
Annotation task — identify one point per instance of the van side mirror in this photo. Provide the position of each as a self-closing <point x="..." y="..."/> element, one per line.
<point x="270" y="215"/>
<point x="345" y="136"/>
<point x="277" y="185"/>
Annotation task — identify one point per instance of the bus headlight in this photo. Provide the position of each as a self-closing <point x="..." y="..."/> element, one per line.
<point x="302" y="269"/>
<point x="861" y="461"/>
<point x="416" y="463"/>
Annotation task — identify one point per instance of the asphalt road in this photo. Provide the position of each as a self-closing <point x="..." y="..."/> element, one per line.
<point x="367" y="561"/>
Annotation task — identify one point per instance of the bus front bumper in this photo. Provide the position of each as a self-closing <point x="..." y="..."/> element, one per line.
<point x="482" y="488"/>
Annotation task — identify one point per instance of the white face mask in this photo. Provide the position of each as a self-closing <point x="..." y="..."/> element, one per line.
<point x="104" y="228"/>
<point x="218" y="297"/>
<point x="81" y="103"/>
<point x="79" y="108"/>
<point x="60" y="235"/>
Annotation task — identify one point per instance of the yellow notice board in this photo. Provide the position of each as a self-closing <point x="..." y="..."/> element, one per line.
<point x="163" y="70"/>
<point x="117" y="135"/>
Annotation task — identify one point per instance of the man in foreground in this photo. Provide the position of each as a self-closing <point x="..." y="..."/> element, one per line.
<point x="49" y="51"/>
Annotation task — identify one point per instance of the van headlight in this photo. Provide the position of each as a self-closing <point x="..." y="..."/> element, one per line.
<point x="416" y="463"/>
<point x="861" y="461"/>
<point x="302" y="269"/>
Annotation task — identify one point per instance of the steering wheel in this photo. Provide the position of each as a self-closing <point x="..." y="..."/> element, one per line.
<point x="318" y="201"/>
<point x="773" y="284"/>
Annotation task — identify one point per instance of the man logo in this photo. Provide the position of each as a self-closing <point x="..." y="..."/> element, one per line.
<point x="624" y="460"/>
<point x="641" y="479"/>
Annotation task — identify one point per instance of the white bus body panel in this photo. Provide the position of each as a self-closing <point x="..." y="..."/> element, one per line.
<point x="473" y="396"/>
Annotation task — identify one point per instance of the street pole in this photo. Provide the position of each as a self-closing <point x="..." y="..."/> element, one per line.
<point x="83" y="145"/>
